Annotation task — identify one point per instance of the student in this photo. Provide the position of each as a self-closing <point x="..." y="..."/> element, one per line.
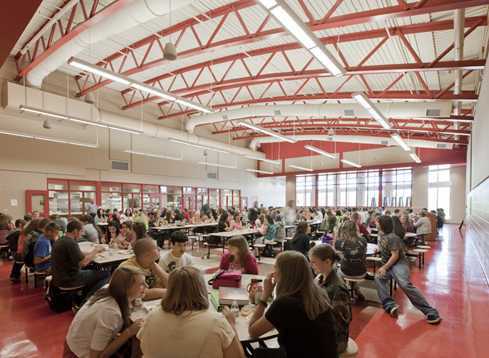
<point x="301" y="312"/>
<point x="268" y="230"/>
<point x="129" y="235"/>
<point x="30" y="241"/>
<point x="185" y="213"/>
<point x="177" y="257"/>
<point x="113" y="234"/>
<point x="329" y="222"/>
<point x="279" y="228"/>
<point x="322" y="258"/>
<point x="42" y="248"/>
<point x="5" y="227"/>
<point x="91" y="233"/>
<point x="13" y="239"/>
<point x="127" y="216"/>
<point x="196" y="220"/>
<point x="179" y="216"/>
<point x="145" y="253"/>
<point x="239" y="257"/>
<point x="55" y="218"/>
<point x="223" y="224"/>
<point x="395" y="265"/>
<point x="356" y="218"/>
<point x="68" y="263"/>
<point x="100" y="217"/>
<point x="422" y="224"/>
<point x="301" y="240"/>
<point x="142" y="218"/>
<point x="139" y="230"/>
<point x="353" y="248"/>
<point x="93" y="330"/>
<point x="195" y="331"/>
<point x="238" y="225"/>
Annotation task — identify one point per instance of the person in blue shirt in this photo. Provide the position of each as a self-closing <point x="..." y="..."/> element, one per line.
<point x="42" y="248"/>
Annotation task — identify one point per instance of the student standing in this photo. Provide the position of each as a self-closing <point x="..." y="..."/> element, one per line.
<point x="177" y="257"/>
<point x="396" y="266"/>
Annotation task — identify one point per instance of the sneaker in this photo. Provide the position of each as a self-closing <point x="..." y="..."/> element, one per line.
<point x="393" y="311"/>
<point x="359" y="294"/>
<point x="433" y="318"/>
<point x="15" y="279"/>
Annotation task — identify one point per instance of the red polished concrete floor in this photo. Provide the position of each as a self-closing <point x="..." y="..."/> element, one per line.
<point x="451" y="280"/>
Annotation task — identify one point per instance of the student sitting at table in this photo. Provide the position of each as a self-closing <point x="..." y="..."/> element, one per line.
<point x="156" y="220"/>
<point x="129" y="236"/>
<point x="323" y="259"/>
<point x="176" y="257"/>
<point x="267" y="231"/>
<point x="91" y="233"/>
<point x="260" y="221"/>
<point x="146" y="252"/>
<point x="113" y="235"/>
<point x="374" y="218"/>
<point x="356" y="218"/>
<point x="179" y="216"/>
<point x="329" y="222"/>
<point x="66" y="259"/>
<point x="422" y="224"/>
<point x="301" y="240"/>
<point x="127" y="215"/>
<point x="30" y="241"/>
<point x="93" y="331"/>
<point x="223" y="224"/>
<point x="238" y="225"/>
<point x="42" y="248"/>
<point x="353" y="248"/>
<point x="196" y="220"/>
<point x="184" y="326"/>
<point x="169" y="218"/>
<point x="301" y="312"/>
<point x="239" y="257"/>
<point x="13" y="238"/>
<point x="279" y="228"/>
<point x="140" y="231"/>
<point x="185" y="213"/>
<point x="396" y="266"/>
<point x="100" y="217"/>
<point x="142" y="218"/>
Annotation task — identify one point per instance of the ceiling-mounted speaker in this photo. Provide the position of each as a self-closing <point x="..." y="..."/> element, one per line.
<point x="331" y="132"/>
<point x="89" y="98"/>
<point x="170" y="52"/>
<point x="46" y="124"/>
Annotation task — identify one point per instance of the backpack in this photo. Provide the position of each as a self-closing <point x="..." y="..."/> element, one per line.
<point x="59" y="301"/>
<point x="269" y="252"/>
<point x="327" y="239"/>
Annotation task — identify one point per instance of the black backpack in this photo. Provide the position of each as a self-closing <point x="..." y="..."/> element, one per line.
<point x="59" y="301"/>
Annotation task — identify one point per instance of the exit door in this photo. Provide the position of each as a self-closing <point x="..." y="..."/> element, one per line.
<point x="189" y="203"/>
<point x="38" y="200"/>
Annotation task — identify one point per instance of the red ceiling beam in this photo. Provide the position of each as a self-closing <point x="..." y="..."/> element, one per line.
<point x="341" y="96"/>
<point x="333" y="22"/>
<point x="68" y="34"/>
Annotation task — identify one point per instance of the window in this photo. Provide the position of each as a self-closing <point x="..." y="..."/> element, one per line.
<point x="440" y="188"/>
<point x="396" y="186"/>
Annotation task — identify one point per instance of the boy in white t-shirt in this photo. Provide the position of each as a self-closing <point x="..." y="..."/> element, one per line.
<point x="177" y="256"/>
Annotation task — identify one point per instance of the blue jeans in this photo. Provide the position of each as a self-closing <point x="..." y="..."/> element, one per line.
<point x="92" y="279"/>
<point x="400" y="273"/>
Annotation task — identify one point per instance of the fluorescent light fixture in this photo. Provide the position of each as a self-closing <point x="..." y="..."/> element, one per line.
<point x="366" y="103"/>
<point x="217" y="165"/>
<point x="415" y="157"/>
<point x="151" y="155"/>
<point x="193" y="105"/>
<point x="351" y="163"/>
<point x="294" y="25"/>
<point x="87" y="66"/>
<point x="268" y="3"/>
<point x="401" y="142"/>
<point x="52" y="140"/>
<point x="277" y="162"/>
<point x="320" y="151"/>
<point x="41" y="111"/>
<point x="17" y="134"/>
<point x="266" y="131"/>
<point x="327" y="60"/>
<point x="153" y="90"/>
<point x="258" y="171"/>
<point x="197" y="145"/>
<point x="87" y="122"/>
<point x="84" y="144"/>
<point x="301" y="168"/>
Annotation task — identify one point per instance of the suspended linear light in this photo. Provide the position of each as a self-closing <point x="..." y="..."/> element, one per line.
<point x="153" y="90"/>
<point x="415" y="158"/>
<point x="290" y="21"/>
<point x="17" y="134"/>
<point x="197" y="145"/>
<point x="258" y="171"/>
<point x="52" y="140"/>
<point x="151" y="155"/>
<point x="42" y="112"/>
<point x="351" y="163"/>
<point x="87" y="66"/>
<point x="320" y="151"/>
<point x="218" y="165"/>
<point x="49" y="139"/>
<point x="301" y="168"/>
<point x="366" y="103"/>
<point x="266" y="131"/>
<point x="277" y="162"/>
<point x="401" y="142"/>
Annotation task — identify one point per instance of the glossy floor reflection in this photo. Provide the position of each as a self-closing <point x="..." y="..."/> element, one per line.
<point x="451" y="280"/>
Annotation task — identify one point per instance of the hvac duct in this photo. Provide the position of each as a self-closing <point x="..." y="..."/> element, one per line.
<point x="134" y="14"/>
<point x="459" y="26"/>
<point x="413" y="143"/>
<point x="390" y="110"/>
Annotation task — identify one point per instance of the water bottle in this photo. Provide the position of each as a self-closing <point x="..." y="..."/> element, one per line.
<point x="129" y="247"/>
<point x="138" y="303"/>
<point x="259" y="291"/>
<point x="235" y="310"/>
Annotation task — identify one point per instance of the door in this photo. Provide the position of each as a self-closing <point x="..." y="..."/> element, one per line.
<point x="38" y="200"/>
<point x="155" y="201"/>
<point x="189" y="203"/>
<point x="244" y="202"/>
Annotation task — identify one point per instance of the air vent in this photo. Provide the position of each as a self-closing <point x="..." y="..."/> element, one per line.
<point x="282" y="183"/>
<point x="349" y="113"/>
<point x="273" y="182"/>
<point x="277" y="113"/>
<point x="118" y="165"/>
<point x="329" y="139"/>
<point x="433" y="112"/>
<point x="211" y="176"/>
<point x="441" y="146"/>
<point x="384" y="142"/>
<point x="225" y="117"/>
